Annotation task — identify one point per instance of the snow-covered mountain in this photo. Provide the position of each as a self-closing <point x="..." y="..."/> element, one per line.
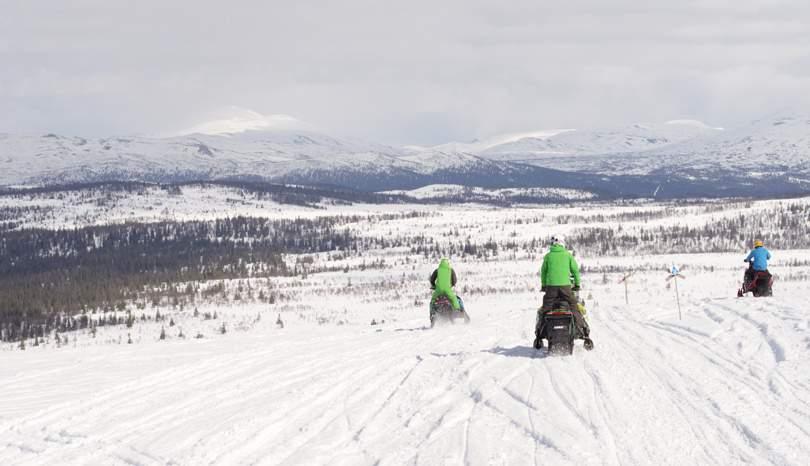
<point x="634" y="138"/>
<point x="770" y="145"/>
<point x="485" y="145"/>
<point x="260" y="153"/>
<point x="773" y="146"/>
<point x="288" y="153"/>
<point x="233" y="120"/>
<point x="767" y="154"/>
<point x="688" y="157"/>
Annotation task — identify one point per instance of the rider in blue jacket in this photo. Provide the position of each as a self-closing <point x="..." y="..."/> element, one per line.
<point x="758" y="258"/>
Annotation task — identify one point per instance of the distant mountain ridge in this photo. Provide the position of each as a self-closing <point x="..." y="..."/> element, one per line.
<point x="674" y="159"/>
<point x="631" y="139"/>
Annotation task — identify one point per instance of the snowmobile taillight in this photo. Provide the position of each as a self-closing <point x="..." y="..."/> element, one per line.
<point x="558" y="313"/>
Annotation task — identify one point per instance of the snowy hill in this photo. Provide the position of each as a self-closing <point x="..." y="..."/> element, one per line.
<point x="687" y="158"/>
<point x="713" y="389"/>
<point x="274" y="154"/>
<point x="234" y="120"/>
<point x="481" y="146"/>
<point x="278" y="155"/>
<point x="354" y="376"/>
<point x="53" y="158"/>
<point x="763" y="146"/>
<point x="775" y="146"/>
<point x="634" y="138"/>
<point x="454" y="192"/>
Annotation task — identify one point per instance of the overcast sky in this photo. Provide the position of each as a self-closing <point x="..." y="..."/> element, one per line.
<point x="414" y="71"/>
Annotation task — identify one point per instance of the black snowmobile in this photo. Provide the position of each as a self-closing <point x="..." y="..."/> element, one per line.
<point x="559" y="329"/>
<point x="441" y="310"/>
<point x="758" y="282"/>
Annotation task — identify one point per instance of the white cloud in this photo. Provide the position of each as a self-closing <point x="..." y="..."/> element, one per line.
<point x="417" y="71"/>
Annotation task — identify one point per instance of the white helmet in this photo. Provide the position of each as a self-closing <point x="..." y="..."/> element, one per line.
<point x="558" y="239"/>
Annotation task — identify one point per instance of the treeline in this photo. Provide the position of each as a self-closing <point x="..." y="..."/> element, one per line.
<point x="785" y="226"/>
<point x="281" y="193"/>
<point x="44" y="273"/>
<point x="781" y="227"/>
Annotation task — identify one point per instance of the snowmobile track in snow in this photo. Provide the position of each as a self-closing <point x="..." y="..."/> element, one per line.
<point x="728" y="384"/>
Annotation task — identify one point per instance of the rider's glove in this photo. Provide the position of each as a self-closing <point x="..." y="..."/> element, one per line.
<point x="575" y="288"/>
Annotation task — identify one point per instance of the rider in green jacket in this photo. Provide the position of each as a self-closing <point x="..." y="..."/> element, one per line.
<point x="559" y="266"/>
<point x="442" y="280"/>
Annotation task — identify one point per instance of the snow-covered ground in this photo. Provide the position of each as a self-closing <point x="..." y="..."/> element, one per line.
<point x="444" y="191"/>
<point x="729" y="383"/>
<point x="86" y="207"/>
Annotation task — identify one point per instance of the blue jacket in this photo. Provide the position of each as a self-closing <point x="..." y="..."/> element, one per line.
<point x="759" y="256"/>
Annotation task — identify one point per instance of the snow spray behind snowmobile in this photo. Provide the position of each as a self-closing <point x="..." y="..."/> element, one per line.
<point x="441" y="310"/>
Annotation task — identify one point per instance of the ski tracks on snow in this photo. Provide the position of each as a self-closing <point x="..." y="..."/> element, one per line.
<point x="726" y="385"/>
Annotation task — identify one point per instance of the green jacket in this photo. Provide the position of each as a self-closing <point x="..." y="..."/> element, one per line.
<point x="558" y="267"/>
<point x="443" y="278"/>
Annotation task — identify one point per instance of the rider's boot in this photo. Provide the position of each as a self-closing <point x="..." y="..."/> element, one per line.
<point x="588" y="343"/>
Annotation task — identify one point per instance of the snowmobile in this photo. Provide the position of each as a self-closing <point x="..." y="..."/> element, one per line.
<point x="441" y="310"/>
<point x="758" y="282"/>
<point x="559" y="328"/>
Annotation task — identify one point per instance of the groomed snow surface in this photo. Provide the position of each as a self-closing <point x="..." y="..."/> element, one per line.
<point x="727" y="384"/>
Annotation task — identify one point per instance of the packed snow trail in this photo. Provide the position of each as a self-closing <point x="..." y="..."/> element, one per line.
<point x="729" y="384"/>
